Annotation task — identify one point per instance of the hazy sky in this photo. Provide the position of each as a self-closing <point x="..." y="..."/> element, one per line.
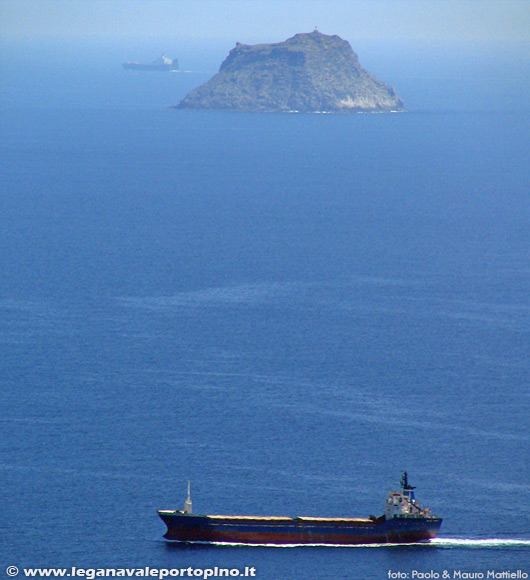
<point x="253" y="21"/>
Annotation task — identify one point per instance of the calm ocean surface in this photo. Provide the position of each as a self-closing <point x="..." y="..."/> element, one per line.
<point x="287" y="310"/>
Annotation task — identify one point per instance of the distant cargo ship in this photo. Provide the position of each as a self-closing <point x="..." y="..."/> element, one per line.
<point x="403" y="521"/>
<point x="160" y="64"/>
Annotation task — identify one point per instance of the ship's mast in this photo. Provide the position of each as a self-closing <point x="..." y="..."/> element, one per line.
<point x="187" y="503"/>
<point x="406" y="489"/>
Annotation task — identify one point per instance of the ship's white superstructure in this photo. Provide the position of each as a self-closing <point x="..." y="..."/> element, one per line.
<point x="403" y="503"/>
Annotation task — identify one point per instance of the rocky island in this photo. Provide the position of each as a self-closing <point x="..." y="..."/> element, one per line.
<point x="310" y="73"/>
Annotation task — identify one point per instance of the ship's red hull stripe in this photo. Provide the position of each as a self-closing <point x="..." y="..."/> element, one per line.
<point x="201" y="535"/>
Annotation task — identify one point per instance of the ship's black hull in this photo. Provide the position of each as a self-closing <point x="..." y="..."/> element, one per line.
<point x="184" y="527"/>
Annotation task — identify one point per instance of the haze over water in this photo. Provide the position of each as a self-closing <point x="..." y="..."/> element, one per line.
<point x="287" y="310"/>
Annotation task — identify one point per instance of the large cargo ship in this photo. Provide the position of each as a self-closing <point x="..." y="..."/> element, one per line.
<point x="160" y="64"/>
<point x="404" y="521"/>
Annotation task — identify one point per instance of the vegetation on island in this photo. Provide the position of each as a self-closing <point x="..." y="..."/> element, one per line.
<point x="310" y="72"/>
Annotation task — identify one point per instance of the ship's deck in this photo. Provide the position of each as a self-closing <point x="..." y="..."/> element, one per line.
<point x="307" y="519"/>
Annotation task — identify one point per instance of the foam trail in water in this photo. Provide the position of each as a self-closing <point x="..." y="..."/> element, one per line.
<point x="480" y="543"/>
<point x="486" y="543"/>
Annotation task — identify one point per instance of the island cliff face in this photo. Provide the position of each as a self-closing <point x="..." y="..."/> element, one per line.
<point x="310" y="72"/>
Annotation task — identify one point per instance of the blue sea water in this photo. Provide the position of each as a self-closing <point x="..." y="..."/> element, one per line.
<point x="287" y="310"/>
